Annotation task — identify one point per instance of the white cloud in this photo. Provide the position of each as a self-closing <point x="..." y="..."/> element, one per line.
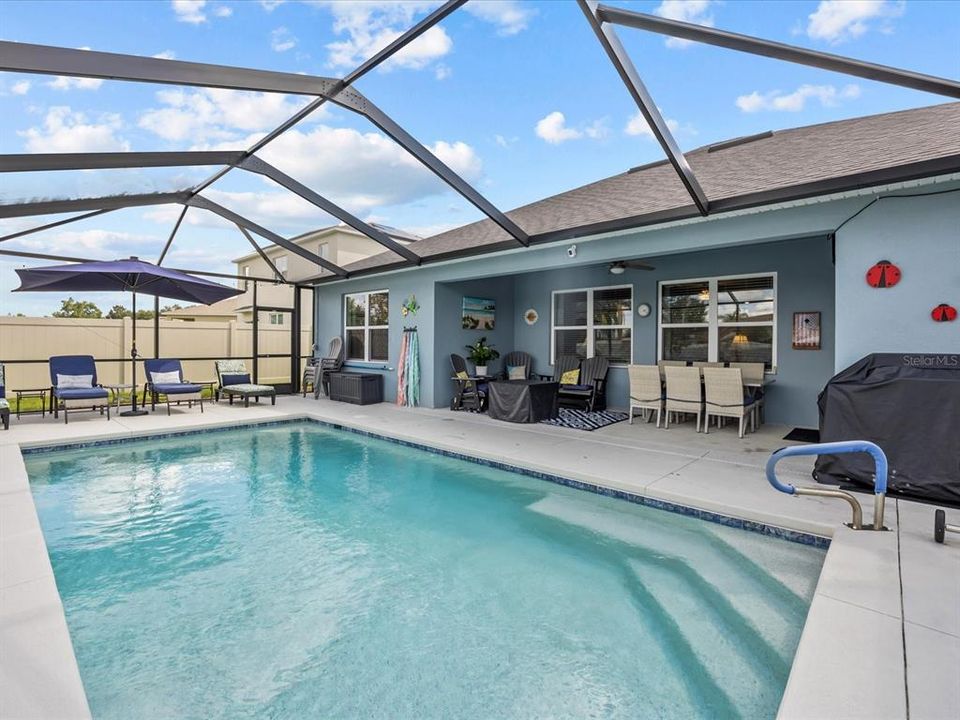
<point x="503" y="141"/>
<point x="223" y="11"/>
<point x="189" y="11"/>
<point x="64" y="130"/>
<point x="217" y="115"/>
<point x="166" y="55"/>
<point x="271" y="5"/>
<point x="361" y="171"/>
<point x="370" y="25"/>
<point x="691" y="11"/>
<point x="442" y="72"/>
<point x="281" y="40"/>
<point x="62" y="82"/>
<point x="20" y="88"/>
<point x="553" y="128"/>
<point x="510" y="16"/>
<point x="87" y="243"/>
<point x="838" y="20"/>
<point x="776" y="100"/>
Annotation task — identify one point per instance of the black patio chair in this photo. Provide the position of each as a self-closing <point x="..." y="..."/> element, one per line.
<point x="469" y="394"/>
<point x="332" y="362"/>
<point x="563" y="364"/>
<point x="590" y="392"/>
<point x="517" y="358"/>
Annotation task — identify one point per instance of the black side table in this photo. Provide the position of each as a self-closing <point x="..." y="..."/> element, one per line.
<point x="33" y="393"/>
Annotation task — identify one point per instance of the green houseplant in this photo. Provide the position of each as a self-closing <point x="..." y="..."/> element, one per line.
<point x="480" y="354"/>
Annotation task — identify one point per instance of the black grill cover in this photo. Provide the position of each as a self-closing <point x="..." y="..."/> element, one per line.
<point x="909" y="405"/>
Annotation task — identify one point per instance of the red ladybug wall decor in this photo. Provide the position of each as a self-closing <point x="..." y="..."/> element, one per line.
<point x="944" y="313"/>
<point x="883" y="275"/>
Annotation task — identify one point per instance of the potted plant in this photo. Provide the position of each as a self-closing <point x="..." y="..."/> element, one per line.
<point x="480" y="354"/>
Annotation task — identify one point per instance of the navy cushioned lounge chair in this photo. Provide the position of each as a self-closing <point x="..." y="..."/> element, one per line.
<point x="168" y="388"/>
<point x="76" y="393"/>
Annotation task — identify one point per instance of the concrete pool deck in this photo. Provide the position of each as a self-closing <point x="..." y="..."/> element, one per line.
<point x="882" y="638"/>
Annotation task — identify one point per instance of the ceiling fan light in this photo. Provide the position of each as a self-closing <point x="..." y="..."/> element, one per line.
<point x="617" y="269"/>
<point x="740" y="338"/>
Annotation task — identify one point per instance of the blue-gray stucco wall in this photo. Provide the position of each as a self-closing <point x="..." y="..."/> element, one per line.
<point x="791" y="241"/>
<point x="921" y="235"/>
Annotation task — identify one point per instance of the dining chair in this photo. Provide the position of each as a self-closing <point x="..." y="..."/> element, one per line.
<point x="661" y="364"/>
<point x="683" y="393"/>
<point x="646" y="391"/>
<point x="725" y="396"/>
<point x="753" y="376"/>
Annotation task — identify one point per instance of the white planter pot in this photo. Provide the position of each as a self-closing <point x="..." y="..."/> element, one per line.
<point x="481" y="370"/>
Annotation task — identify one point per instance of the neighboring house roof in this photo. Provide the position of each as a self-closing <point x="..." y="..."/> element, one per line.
<point x="217" y="309"/>
<point x="745" y="172"/>
<point x="313" y="235"/>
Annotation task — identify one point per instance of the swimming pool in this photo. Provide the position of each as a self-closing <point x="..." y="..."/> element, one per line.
<point x="302" y="571"/>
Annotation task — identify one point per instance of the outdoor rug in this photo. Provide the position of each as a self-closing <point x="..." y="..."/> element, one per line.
<point x="584" y="420"/>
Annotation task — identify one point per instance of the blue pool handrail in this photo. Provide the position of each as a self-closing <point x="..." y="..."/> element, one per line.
<point x="837" y="448"/>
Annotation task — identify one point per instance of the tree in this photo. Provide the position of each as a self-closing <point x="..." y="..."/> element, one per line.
<point x="118" y="312"/>
<point x="71" y="308"/>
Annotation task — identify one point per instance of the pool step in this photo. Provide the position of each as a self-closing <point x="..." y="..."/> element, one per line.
<point x="769" y="609"/>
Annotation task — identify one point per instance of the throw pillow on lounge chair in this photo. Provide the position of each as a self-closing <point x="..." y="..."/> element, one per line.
<point x="570" y="377"/>
<point x="516" y="372"/>
<point x="74" y="381"/>
<point x="165" y="378"/>
<point x="462" y="374"/>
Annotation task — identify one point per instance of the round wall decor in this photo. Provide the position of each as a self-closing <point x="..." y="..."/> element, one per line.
<point x="944" y="313"/>
<point x="883" y="275"/>
<point x="531" y="316"/>
<point x="643" y="309"/>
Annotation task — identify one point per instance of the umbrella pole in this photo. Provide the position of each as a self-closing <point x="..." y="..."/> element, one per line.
<point x="133" y="361"/>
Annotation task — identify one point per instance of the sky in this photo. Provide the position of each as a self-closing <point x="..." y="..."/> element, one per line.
<point x="515" y="95"/>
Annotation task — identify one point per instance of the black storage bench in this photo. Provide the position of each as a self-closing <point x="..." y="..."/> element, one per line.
<point x="356" y="388"/>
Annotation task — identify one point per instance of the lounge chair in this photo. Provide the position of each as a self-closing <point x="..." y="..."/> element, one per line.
<point x="332" y="362"/>
<point x="4" y="405"/>
<point x="520" y="362"/>
<point x="469" y="393"/>
<point x="73" y="384"/>
<point x="590" y="389"/>
<point x="234" y="380"/>
<point x="165" y="379"/>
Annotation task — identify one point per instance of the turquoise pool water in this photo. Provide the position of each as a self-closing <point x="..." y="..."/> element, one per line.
<point x="297" y="571"/>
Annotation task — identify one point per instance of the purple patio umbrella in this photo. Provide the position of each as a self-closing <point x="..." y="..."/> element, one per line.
<point x="133" y="275"/>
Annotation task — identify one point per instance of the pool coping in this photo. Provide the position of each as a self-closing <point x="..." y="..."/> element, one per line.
<point x="857" y="611"/>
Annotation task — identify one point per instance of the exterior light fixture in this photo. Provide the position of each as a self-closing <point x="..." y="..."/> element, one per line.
<point x="617" y="269"/>
<point x="740" y="338"/>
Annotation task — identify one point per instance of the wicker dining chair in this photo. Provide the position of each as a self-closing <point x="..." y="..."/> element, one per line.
<point x="683" y="393"/>
<point x="646" y="391"/>
<point x="753" y="374"/>
<point x="725" y="397"/>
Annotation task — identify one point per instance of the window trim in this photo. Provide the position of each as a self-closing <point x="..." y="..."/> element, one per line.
<point x="590" y="327"/>
<point x="713" y="323"/>
<point x="366" y="327"/>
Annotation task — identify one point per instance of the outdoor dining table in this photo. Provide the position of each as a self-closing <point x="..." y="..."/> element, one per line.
<point x="523" y="401"/>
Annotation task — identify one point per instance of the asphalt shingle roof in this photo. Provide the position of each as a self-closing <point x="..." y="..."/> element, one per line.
<point x="780" y="160"/>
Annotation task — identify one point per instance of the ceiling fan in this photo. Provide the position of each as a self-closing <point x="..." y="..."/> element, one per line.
<point x="618" y="267"/>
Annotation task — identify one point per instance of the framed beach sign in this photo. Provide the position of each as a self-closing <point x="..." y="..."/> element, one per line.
<point x="479" y="313"/>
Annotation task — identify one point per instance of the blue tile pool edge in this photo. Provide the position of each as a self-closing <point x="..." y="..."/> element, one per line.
<point x="708" y="515"/>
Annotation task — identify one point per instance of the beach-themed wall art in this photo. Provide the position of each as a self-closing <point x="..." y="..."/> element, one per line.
<point x="479" y="313"/>
<point x="806" y="331"/>
<point x="531" y="316"/>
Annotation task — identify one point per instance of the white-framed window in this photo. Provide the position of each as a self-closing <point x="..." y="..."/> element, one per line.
<point x="366" y="320"/>
<point x="323" y="250"/>
<point x="276" y="318"/>
<point x="245" y="284"/>
<point x="589" y="322"/>
<point x="719" y="319"/>
<point x="281" y="262"/>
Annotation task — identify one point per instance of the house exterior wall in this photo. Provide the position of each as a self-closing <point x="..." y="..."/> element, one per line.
<point x="921" y="235"/>
<point x="793" y="242"/>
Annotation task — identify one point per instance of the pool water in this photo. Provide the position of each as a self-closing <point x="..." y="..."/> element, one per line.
<point x="298" y="571"/>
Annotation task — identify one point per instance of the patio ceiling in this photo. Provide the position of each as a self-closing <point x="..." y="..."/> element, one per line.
<point x="47" y="60"/>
